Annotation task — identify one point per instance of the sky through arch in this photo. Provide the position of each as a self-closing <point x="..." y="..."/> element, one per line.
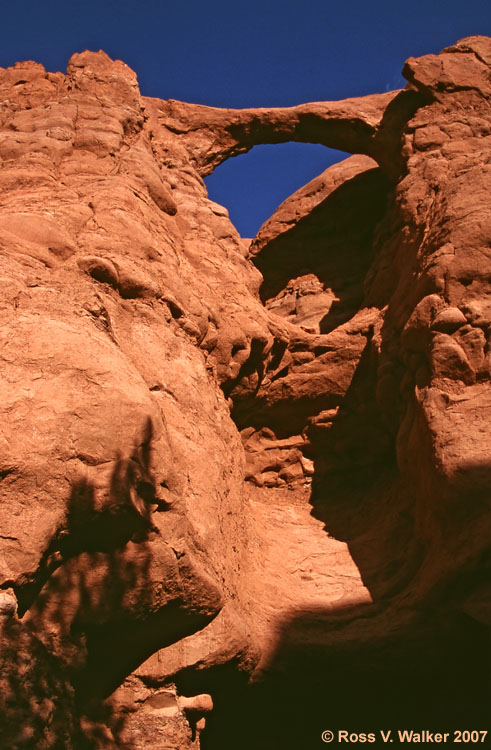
<point x="251" y="186"/>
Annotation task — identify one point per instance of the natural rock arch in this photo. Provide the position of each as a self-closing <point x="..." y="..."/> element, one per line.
<point x="129" y="300"/>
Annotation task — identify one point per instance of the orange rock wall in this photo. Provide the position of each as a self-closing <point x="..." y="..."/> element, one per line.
<point x="225" y="462"/>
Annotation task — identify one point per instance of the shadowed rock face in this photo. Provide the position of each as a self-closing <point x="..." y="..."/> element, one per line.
<point x="257" y="471"/>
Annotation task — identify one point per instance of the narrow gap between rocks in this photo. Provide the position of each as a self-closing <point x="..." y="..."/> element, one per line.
<point x="253" y="185"/>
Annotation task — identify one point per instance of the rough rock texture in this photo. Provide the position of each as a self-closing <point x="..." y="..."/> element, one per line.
<point x="261" y="473"/>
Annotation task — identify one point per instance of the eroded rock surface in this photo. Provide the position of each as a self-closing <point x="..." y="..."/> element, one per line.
<point x="244" y="490"/>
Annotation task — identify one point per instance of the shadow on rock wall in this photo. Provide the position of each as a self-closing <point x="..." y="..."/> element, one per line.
<point x="418" y="657"/>
<point x="433" y="677"/>
<point x="99" y="606"/>
<point x="334" y="242"/>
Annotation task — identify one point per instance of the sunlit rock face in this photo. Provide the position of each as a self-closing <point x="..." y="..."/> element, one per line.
<point x="244" y="486"/>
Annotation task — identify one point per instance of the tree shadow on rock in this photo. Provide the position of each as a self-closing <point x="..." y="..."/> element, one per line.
<point x="100" y="605"/>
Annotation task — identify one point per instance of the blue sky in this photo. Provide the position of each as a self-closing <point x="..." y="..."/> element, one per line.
<point x="242" y="54"/>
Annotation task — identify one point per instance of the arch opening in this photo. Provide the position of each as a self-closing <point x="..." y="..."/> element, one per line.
<point x="253" y="185"/>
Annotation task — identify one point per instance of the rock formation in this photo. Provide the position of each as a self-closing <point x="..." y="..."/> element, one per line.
<point x="244" y="486"/>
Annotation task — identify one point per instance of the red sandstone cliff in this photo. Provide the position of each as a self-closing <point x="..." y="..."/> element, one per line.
<point x="257" y="473"/>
